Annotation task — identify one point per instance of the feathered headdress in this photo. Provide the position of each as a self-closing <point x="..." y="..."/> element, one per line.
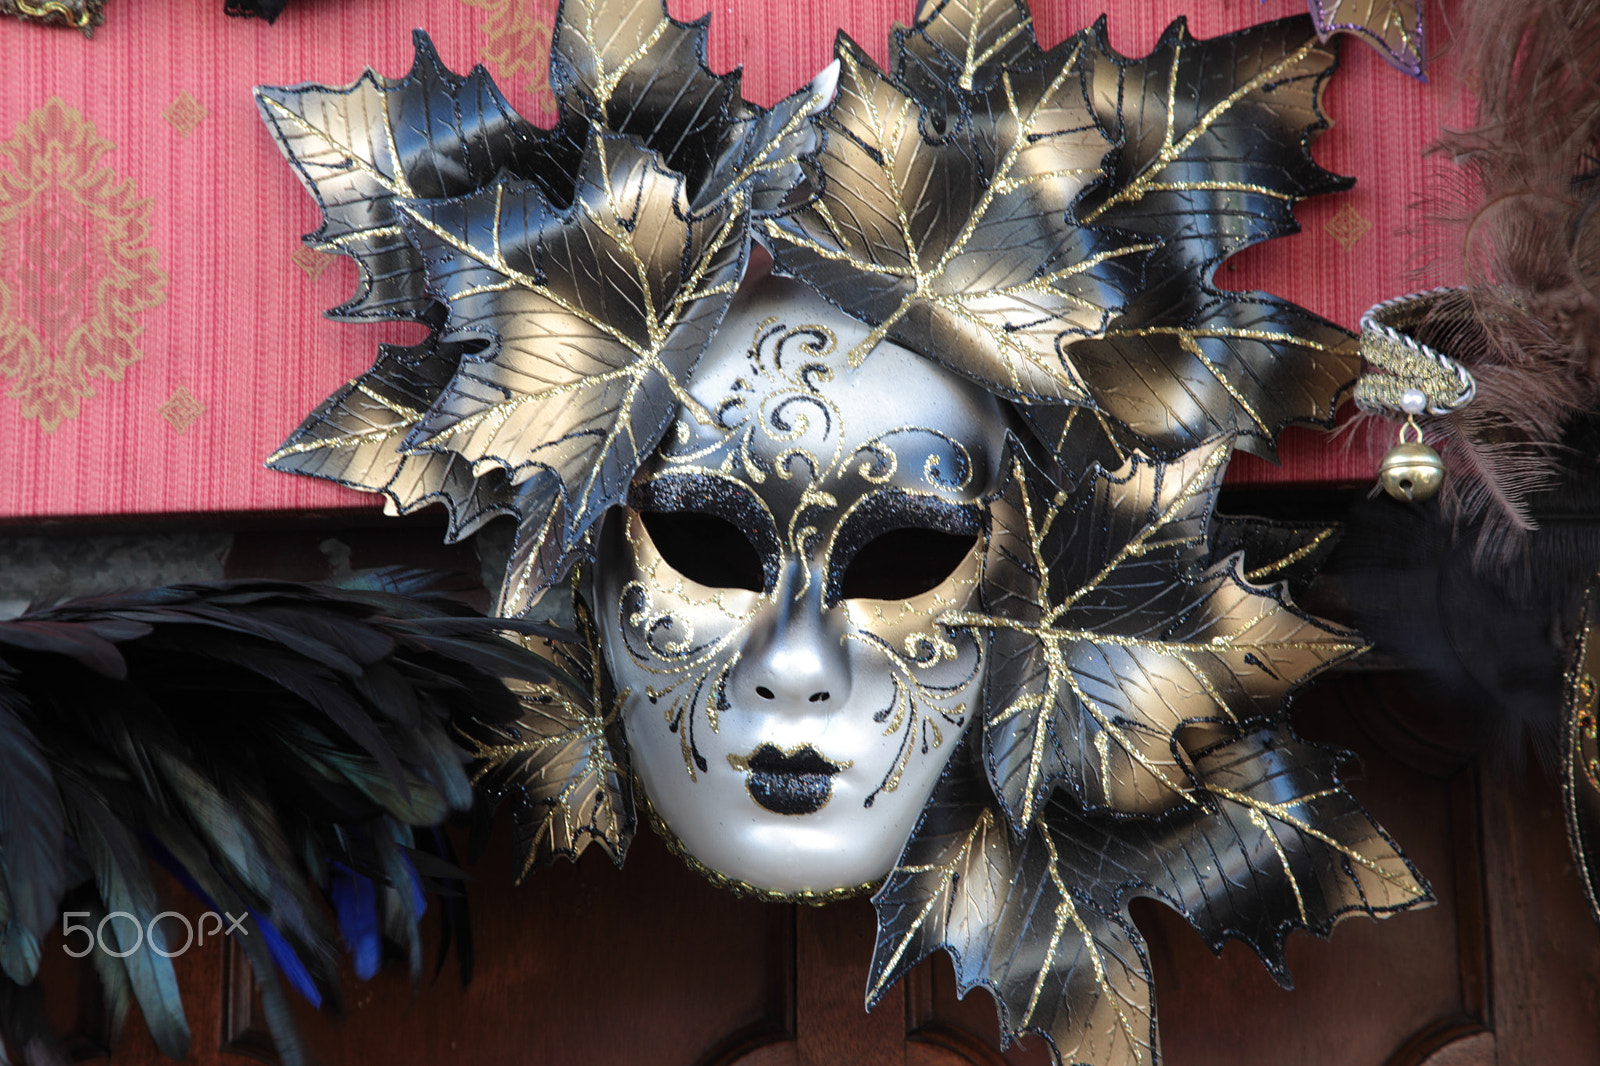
<point x="1045" y="222"/>
<point x="1521" y="250"/>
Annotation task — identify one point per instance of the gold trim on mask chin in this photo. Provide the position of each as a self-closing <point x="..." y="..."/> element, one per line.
<point x="723" y="881"/>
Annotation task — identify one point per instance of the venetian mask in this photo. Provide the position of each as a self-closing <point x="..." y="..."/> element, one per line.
<point x="771" y="596"/>
<point x="807" y="557"/>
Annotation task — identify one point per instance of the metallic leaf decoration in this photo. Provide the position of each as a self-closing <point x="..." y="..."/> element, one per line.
<point x="1213" y="136"/>
<point x="1040" y="918"/>
<point x="563" y="764"/>
<point x="1214" y="152"/>
<point x="1016" y="921"/>
<point x="355" y="438"/>
<point x="1109" y="636"/>
<point x="539" y="555"/>
<point x="961" y="211"/>
<point x="1275" y="805"/>
<point x="1274" y="550"/>
<point x="572" y="275"/>
<point x="622" y="65"/>
<point x="1393" y="27"/>
<point x="947" y="228"/>
<point x="592" y="315"/>
<point x="961" y="45"/>
<point x="363" y="149"/>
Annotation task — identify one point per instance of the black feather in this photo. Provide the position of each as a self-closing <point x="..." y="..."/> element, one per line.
<point x="247" y="736"/>
<point x="124" y="883"/>
<point x="455" y="930"/>
<point x="80" y="644"/>
<point x="116" y="989"/>
<point x="32" y="831"/>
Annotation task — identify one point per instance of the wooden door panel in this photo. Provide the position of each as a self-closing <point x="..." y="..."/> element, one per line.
<point x="587" y="964"/>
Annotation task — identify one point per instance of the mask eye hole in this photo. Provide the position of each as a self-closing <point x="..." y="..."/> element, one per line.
<point x="903" y="563"/>
<point x="707" y="550"/>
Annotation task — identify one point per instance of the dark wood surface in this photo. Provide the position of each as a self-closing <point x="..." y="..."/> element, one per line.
<point x="589" y="964"/>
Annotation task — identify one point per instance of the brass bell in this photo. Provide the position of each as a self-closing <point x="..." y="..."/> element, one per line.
<point x="1411" y="470"/>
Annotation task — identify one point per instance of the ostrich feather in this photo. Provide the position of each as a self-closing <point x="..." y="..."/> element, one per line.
<point x="1524" y="241"/>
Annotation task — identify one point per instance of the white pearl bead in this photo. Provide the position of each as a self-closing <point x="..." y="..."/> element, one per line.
<point x="1413" y="401"/>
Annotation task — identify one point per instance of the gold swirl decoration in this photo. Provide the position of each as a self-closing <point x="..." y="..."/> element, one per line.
<point x="82" y="15"/>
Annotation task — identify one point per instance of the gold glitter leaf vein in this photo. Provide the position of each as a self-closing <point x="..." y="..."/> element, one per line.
<point x="957" y="242"/>
<point x="1125" y="640"/>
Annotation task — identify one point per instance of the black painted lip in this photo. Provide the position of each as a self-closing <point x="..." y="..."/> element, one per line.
<point x="805" y="760"/>
<point x="797" y="783"/>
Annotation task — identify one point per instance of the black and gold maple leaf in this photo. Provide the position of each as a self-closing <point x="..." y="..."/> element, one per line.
<point x="1273" y="804"/>
<point x="942" y="206"/>
<point x="592" y="316"/>
<point x="969" y="209"/>
<point x="1014" y="921"/>
<point x="624" y="66"/>
<point x="1213" y="152"/>
<point x="570" y="277"/>
<point x="1040" y="918"/>
<point x="1109" y="635"/>
<point x="362" y="149"/>
<point x="355" y="438"/>
<point x="1275" y="550"/>
<point x="562" y="765"/>
<point x="540" y="553"/>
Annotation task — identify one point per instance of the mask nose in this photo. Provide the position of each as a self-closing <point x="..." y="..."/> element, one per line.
<point x="795" y="658"/>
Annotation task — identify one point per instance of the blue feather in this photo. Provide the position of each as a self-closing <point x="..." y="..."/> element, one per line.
<point x="355" y="902"/>
<point x="419" y="898"/>
<point x="283" y="953"/>
<point x="288" y="962"/>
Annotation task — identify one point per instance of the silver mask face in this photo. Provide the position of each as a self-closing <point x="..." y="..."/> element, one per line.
<point x="770" y="598"/>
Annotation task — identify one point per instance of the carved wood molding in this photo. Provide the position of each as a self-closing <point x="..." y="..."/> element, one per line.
<point x="1460" y="1043"/>
<point x="830" y="951"/>
<point x="244" y="1030"/>
<point x="90" y="1038"/>
<point x="769" y="1042"/>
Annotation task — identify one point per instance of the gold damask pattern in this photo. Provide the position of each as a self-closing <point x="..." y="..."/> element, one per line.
<point x="181" y="409"/>
<point x="185" y="113"/>
<point x="1347" y="226"/>
<point x="519" y="43"/>
<point x="75" y="271"/>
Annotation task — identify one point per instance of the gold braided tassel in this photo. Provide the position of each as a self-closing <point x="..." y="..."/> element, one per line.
<point x="1409" y="378"/>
